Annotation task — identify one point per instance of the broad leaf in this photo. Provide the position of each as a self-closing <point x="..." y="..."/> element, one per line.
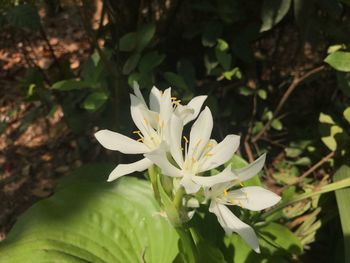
<point x="343" y="197"/>
<point x="339" y="60"/>
<point x="95" y="100"/>
<point x="90" y="220"/>
<point x="70" y="84"/>
<point x="272" y="13"/>
<point x="131" y="63"/>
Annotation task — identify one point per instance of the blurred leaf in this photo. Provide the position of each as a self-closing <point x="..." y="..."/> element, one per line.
<point x="293" y="152"/>
<point x="245" y="91"/>
<point x="24" y="16"/>
<point x="277" y="124"/>
<point x="211" y="33"/>
<point x="145" y="35"/>
<point x="278" y="239"/>
<point x="334" y="48"/>
<point x="95" y="100"/>
<point x="71" y="84"/>
<point x="131" y="63"/>
<point x="343" y="197"/>
<point x="90" y="220"/>
<point x="343" y="82"/>
<point x="329" y="130"/>
<point x="304" y="161"/>
<point x="346" y="114"/>
<point x="221" y="54"/>
<point x="209" y="253"/>
<point x="150" y="60"/>
<point x="308" y="229"/>
<point x="296" y="209"/>
<point x="175" y="80"/>
<point x="262" y="94"/>
<point x="272" y="13"/>
<point x="128" y="42"/>
<point x="339" y="60"/>
<point x="235" y="72"/>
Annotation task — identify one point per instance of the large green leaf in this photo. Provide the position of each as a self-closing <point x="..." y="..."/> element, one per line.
<point x="90" y="220"/>
<point x="272" y="13"/>
<point x="340" y="60"/>
<point x="70" y="84"/>
<point x="343" y="197"/>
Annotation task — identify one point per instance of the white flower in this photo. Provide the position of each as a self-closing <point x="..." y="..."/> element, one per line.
<point x="152" y="124"/>
<point x="200" y="154"/>
<point x="252" y="197"/>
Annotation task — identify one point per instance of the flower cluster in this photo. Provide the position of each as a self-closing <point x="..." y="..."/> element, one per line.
<point x="187" y="160"/>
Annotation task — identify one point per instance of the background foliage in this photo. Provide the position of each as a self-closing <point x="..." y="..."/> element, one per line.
<point x="276" y="72"/>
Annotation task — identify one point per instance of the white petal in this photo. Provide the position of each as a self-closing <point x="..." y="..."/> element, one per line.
<point x="190" y="186"/>
<point x="208" y="181"/>
<point x="117" y="142"/>
<point x="200" y="134"/>
<point x="176" y="127"/>
<point x="183" y="112"/>
<point x="166" y="106"/>
<point x="140" y="116"/>
<point x="220" y="153"/>
<point x="231" y="223"/>
<point x="254" y="198"/>
<point x="252" y="169"/>
<point x="138" y="93"/>
<point x="123" y="169"/>
<point x="154" y="99"/>
<point x="160" y="159"/>
<point x="195" y="104"/>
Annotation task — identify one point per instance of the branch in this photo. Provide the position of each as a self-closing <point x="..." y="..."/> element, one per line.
<point x="296" y="81"/>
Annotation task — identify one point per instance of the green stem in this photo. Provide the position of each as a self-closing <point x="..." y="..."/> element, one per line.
<point x="324" y="189"/>
<point x="178" y="198"/>
<point x="188" y="245"/>
<point x="153" y="178"/>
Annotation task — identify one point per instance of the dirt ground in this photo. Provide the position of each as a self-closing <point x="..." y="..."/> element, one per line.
<point x="36" y="147"/>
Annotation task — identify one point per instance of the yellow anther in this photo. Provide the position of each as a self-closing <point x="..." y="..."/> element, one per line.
<point x="136" y="132"/>
<point x="198" y="143"/>
<point x="185" y="138"/>
<point x="209" y="145"/>
<point x="176" y="102"/>
<point x="208" y="154"/>
<point x="225" y="192"/>
<point x="240" y="183"/>
<point x="173" y="98"/>
<point x="232" y="200"/>
<point x="140" y="140"/>
<point x="240" y="204"/>
<point x="146" y="121"/>
<point x="193" y="160"/>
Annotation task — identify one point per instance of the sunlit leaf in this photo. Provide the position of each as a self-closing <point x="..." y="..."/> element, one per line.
<point x="339" y="60"/>
<point x="343" y="197"/>
<point x="90" y="220"/>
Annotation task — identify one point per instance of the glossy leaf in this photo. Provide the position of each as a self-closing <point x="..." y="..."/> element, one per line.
<point x="339" y="60"/>
<point x="272" y="13"/>
<point x="71" y="84"/>
<point x="90" y="220"/>
<point x="131" y="63"/>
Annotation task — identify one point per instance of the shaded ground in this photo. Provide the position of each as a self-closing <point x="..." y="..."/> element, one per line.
<point x="36" y="147"/>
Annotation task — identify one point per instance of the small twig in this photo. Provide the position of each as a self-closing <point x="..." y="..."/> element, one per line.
<point x="248" y="150"/>
<point x="315" y="166"/>
<point x="296" y="81"/>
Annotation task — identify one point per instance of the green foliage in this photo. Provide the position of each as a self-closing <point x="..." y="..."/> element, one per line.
<point x="89" y="220"/>
<point x="343" y="197"/>
<point x="272" y="12"/>
<point x="339" y="60"/>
